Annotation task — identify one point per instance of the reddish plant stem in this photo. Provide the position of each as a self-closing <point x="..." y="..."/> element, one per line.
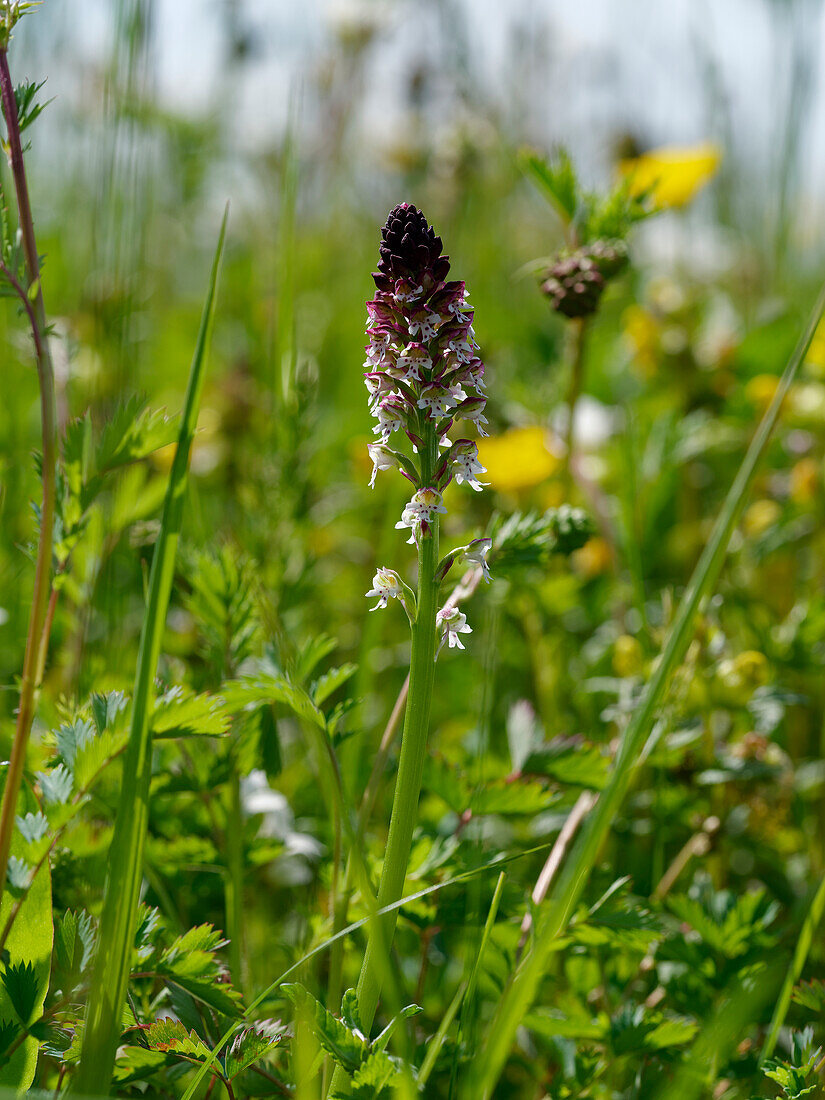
<point x="37" y="638"/>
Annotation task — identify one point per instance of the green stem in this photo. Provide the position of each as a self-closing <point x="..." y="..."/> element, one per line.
<point x="117" y="925"/>
<point x="37" y="638"/>
<point x="803" y="946"/>
<point x="233" y="888"/>
<point x="410" y="764"/>
<point x="573" y="395"/>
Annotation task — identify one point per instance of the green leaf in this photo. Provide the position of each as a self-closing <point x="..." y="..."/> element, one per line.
<point x="570" y="761"/>
<point x="170" y="1037"/>
<point x="336" y="1038"/>
<point x="181" y="713"/>
<point x="136" y="1063"/>
<point x="252" y="1044"/>
<point x="325" y="685"/>
<point x="29" y="947"/>
<point x="111" y="973"/>
<point x="556" y="179"/>
<point x="349" y="1011"/>
<point x="56" y="785"/>
<point x="22" y="988"/>
<point x="810" y="995"/>
<point x="375" y="1073"/>
<point x="407" y="1013"/>
<point x="192" y="963"/>
<point x="74" y="941"/>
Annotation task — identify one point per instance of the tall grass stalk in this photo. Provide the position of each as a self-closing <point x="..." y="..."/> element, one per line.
<point x="813" y="918"/>
<point x="523" y="987"/>
<point x="111" y="972"/>
<point x="37" y="640"/>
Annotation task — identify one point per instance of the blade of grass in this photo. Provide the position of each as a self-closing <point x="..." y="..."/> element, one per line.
<point x="111" y="973"/>
<point x="263" y="996"/>
<point x="803" y="945"/>
<point x="738" y="1007"/>
<point x="521" y="992"/>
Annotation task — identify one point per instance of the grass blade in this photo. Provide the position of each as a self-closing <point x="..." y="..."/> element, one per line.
<point x="803" y="946"/>
<point x="111" y="973"/>
<point x="558" y="908"/>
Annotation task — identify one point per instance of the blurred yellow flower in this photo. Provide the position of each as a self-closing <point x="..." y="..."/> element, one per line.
<point x="628" y="658"/>
<point x="593" y="558"/>
<point x="760" y="517"/>
<point x="815" y="359"/>
<point x="517" y="459"/>
<point x="760" y="390"/>
<point x="673" y="173"/>
<point x="804" y="480"/>
<point x="641" y="330"/>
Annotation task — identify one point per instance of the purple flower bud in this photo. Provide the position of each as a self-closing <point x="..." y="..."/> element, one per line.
<point x="410" y="251"/>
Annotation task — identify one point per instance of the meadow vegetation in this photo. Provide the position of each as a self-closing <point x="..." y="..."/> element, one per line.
<point x="548" y="824"/>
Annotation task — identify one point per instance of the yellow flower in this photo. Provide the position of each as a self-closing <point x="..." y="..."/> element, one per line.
<point x="593" y="558"/>
<point x="760" y="390"/>
<point x="672" y="174"/>
<point x="760" y="517"/>
<point x="804" y="480"/>
<point x="815" y="359"/>
<point x="518" y="459"/>
<point x="641" y="330"/>
<point x="628" y="658"/>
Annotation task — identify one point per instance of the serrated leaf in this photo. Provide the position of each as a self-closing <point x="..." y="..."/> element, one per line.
<point x="107" y="707"/>
<point x="376" y="1072"/>
<point x="329" y="683"/>
<point x="556" y="179"/>
<point x="29" y="943"/>
<point x="74" y="941"/>
<point x="810" y="995"/>
<point x="22" y="987"/>
<point x="32" y="827"/>
<point x="251" y="1044"/>
<point x="136" y="1063"/>
<point x="312" y="653"/>
<point x="266" y="687"/>
<point x="181" y="713"/>
<point x="170" y="1037"/>
<point x="71" y="737"/>
<point x="9" y="1031"/>
<point x="336" y="1038"/>
<point x="570" y="761"/>
<point x="56" y="785"/>
<point x="349" y="1011"/>
<point x="192" y="964"/>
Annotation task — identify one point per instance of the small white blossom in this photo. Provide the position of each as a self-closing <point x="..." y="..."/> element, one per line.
<point x="466" y="466"/>
<point x="436" y="400"/>
<point x="423" y="324"/>
<point x="422" y="508"/>
<point x="451" y="622"/>
<point x="389" y="419"/>
<point x="477" y="552"/>
<point x="382" y="459"/>
<point x="413" y="362"/>
<point x="386" y="584"/>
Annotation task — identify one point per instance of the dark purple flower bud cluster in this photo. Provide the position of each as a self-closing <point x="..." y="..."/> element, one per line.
<point x="422" y="367"/>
